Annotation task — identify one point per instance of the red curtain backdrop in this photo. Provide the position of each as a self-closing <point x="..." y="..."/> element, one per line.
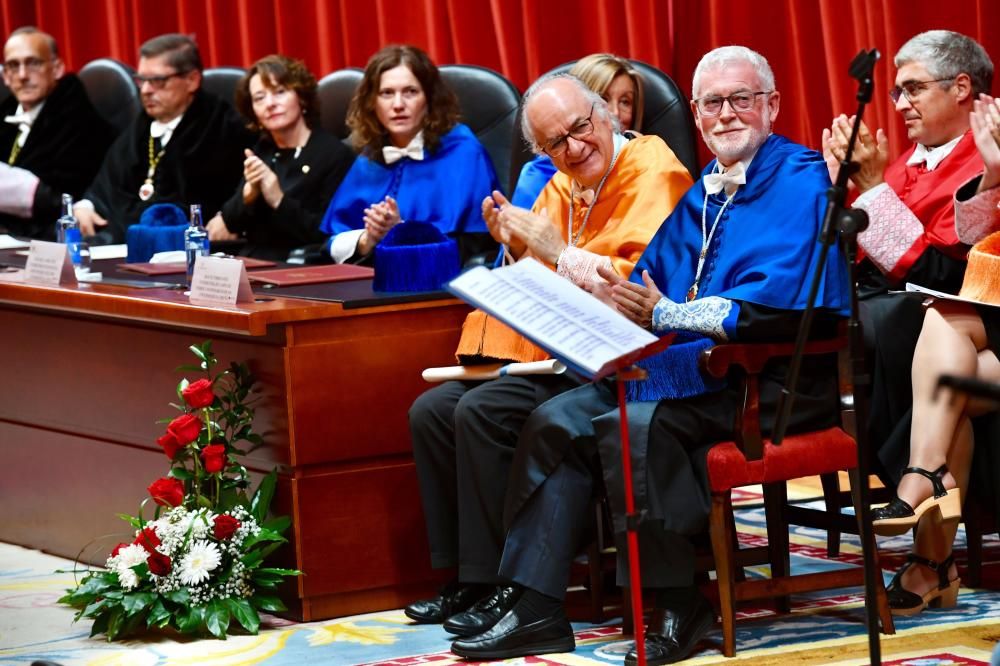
<point x="808" y="42"/>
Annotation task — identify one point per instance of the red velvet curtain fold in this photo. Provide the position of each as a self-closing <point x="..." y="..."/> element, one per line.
<point x="808" y="42"/>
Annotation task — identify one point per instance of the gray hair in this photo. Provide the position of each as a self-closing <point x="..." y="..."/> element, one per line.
<point x="32" y="30"/>
<point x="600" y="106"/>
<point x="946" y="54"/>
<point x="728" y="55"/>
<point x="181" y="51"/>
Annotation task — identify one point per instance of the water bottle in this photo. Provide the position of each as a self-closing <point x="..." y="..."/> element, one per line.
<point x="68" y="232"/>
<point x="195" y="240"/>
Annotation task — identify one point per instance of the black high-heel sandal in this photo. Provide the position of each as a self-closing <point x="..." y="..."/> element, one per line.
<point x="897" y="516"/>
<point x="945" y="595"/>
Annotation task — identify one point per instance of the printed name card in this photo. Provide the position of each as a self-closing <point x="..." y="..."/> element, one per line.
<point x="220" y="280"/>
<point x="49" y="264"/>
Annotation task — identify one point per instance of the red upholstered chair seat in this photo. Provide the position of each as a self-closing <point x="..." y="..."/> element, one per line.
<point x="810" y="454"/>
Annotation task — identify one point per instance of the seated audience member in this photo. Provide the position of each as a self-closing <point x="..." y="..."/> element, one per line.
<point x="52" y="141"/>
<point x="597" y="212"/>
<point x="734" y="261"/>
<point x="291" y="174"/>
<point x="185" y="147"/>
<point x="416" y="161"/>
<point x="911" y="235"/>
<point x="956" y="339"/>
<point x="619" y="84"/>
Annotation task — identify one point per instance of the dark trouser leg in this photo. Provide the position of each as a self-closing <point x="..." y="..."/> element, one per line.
<point x="488" y="421"/>
<point x="547" y="528"/>
<point x="432" y="432"/>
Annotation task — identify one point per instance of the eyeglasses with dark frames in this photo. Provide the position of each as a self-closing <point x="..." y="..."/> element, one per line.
<point x="157" y="82"/>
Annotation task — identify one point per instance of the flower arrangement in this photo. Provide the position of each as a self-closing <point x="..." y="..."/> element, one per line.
<point x="197" y="566"/>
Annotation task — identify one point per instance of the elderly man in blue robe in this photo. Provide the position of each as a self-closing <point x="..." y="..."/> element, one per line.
<point x="732" y="262"/>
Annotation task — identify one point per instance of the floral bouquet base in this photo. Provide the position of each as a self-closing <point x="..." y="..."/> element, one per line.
<point x="197" y="566"/>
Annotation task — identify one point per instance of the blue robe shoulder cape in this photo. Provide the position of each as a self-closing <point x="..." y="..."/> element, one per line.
<point x="764" y="251"/>
<point x="535" y="175"/>
<point x="445" y="189"/>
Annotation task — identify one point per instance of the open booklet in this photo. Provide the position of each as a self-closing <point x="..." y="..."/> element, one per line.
<point x="946" y="296"/>
<point x="589" y="337"/>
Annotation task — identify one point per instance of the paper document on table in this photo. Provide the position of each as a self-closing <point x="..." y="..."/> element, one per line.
<point x="554" y="313"/>
<point x="99" y="252"/>
<point x="8" y="242"/>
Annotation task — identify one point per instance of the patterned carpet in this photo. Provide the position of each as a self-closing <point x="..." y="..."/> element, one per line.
<point x="826" y="628"/>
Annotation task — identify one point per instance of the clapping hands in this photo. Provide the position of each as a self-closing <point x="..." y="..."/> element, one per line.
<point x="260" y="181"/>
<point x="520" y="229"/>
<point x="871" y="152"/>
<point x="379" y="218"/>
<point x="985" y="122"/>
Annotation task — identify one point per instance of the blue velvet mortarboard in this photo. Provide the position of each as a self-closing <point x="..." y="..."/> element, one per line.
<point x="160" y="229"/>
<point x="415" y="256"/>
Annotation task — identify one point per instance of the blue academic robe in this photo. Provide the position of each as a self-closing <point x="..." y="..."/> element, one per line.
<point x="764" y="251"/>
<point x="535" y="175"/>
<point x="445" y="189"/>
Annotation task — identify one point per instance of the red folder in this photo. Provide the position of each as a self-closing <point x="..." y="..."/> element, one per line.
<point x="181" y="267"/>
<point x="286" y="277"/>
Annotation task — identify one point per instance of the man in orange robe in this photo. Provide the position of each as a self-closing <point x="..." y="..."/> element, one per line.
<point x="600" y="210"/>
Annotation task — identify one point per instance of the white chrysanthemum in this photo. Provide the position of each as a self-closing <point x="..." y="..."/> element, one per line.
<point x="128" y="557"/>
<point x="202" y="558"/>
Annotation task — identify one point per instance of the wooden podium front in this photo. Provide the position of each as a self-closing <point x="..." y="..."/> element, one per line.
<point x="89" y="370"/>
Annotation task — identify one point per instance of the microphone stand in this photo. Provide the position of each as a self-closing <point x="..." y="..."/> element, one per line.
<point x="848" y="223"/>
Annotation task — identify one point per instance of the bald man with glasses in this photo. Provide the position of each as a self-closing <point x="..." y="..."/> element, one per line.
<point x="185" y="146"/>
<point x="52" y="140"/>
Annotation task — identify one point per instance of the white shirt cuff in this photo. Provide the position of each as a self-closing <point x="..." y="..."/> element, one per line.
<point x="344" y="245"/>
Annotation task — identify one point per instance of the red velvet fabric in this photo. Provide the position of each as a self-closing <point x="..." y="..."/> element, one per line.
<point x="801" y="455"/>
<point x="808" y="42"/>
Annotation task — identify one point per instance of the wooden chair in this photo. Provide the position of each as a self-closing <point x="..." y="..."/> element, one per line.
<point x="750" y="459"/>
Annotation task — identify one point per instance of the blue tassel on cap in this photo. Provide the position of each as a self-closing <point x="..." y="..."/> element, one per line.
<point x="415" y="256"/>
<point x="160" y="229"/>
<point x="675" y="372"/>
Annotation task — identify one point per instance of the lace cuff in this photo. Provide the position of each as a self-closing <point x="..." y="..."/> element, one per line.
<point x="703" y="315"/>
<point x="580" y="266"/>
<point x="345" y="244"/>
<point x="17" y="190"/>
<point x="892" y="228"/>
<point x="976" y="215"/>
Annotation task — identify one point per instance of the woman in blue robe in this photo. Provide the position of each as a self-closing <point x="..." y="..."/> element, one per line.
<point x="416" y="162"/>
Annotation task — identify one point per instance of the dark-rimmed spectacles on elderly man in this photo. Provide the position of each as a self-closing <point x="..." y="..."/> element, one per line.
<point x="558" y="146"/>
<point x="156" y="82"/>
<point x="740" y="102"/>
<point x="30" y="65"/>
<point x="912" y="89"/>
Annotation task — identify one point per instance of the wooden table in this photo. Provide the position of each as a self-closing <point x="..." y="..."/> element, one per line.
<point x="89" y="370"/>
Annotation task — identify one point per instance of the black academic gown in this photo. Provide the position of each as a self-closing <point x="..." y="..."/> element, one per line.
<point x="64" y="149"/>
<point x="202" y="164"/>
<point x="308" y="181"/>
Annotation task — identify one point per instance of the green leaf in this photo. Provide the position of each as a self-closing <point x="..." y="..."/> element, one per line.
<point x="94" y="609"/>
<point x="158" y="614"/>
<point x="267" y="603"/>
<point x="131" y="520"/>
<point x="190" y="620"/>
<point x="278" y="524"/>
<point x="133" y="603"/>
<point x="264" y="536"/>
<point x="94" y="584"/>
<point x="280" y="572"/>
<point x="196" y="350"/>
<point x="178" y="596"/>
<point x="217" y="618"/>
<point x="181" y="473"/>
<point x="252" y="559"/>
<point x="262" y="498"/>
<point x="100" y="625"/>
<point x="244" y="613"/>
<point x="115" y="619"/>
<point x="188" y="368"/>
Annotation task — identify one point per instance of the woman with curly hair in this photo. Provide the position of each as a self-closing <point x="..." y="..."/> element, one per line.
<point x="292" y="171"/>
<point x="416" y="161"/>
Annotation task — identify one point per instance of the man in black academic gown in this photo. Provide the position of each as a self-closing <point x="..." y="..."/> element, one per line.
<point x="186" y="147"/>
<point x="52" y="139"/>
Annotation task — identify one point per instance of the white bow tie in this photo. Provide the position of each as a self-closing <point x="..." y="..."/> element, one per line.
<point x="730" y="180"/>
<point x="393" y="154"/>
<point x="158" y="129"/>
<point x="586" y="197"/>
<point x="19" y="119"/>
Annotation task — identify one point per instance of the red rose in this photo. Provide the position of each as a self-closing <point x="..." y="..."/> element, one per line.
<point x="114" y="551"/>
<point x="214" y="457"/>
<point x="169" y="444"/>
<point x="225" y="526"/>
<point x="148" y="539"/>
<point x="199" y="394"/>
<point x="185" y="428"/>
<point x="167" y="491"/>
<point x="158" y="563"/>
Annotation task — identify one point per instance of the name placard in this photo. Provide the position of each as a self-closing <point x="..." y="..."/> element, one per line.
<point x="220" y="280"/>
<point x="49" y="264"/>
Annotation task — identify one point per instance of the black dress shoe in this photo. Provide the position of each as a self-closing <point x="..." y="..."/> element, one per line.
<point x="509" y="638"/>
<point x="454" y="598"/>
<point x="484" y="613"/>
<point x="671" y="636"/>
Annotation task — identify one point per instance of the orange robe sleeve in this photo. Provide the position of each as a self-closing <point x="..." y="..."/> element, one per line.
<point x="642" y="189"/>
